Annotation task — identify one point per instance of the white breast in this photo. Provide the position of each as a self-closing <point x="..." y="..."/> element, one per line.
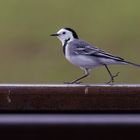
<point x="80" y="60"/>
<point x="67" y="53"/>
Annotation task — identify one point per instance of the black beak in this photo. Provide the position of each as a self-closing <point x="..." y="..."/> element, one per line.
<point x="54" y="34"/>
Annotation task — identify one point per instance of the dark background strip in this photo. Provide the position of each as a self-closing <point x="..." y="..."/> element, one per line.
<point x="70" y="126"/>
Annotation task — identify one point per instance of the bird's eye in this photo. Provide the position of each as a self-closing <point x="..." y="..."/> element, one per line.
<point x="64" y="33"/>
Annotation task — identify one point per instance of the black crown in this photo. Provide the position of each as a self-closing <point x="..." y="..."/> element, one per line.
<point x="73" y="32"/>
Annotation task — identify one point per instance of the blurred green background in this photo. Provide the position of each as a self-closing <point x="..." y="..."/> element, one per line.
<point x="29" y="55"/>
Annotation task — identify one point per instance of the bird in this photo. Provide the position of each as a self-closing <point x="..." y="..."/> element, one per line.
<point x="87" y="56"/>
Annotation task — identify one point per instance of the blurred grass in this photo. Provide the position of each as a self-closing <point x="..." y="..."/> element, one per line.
<point x="29" y="55"/>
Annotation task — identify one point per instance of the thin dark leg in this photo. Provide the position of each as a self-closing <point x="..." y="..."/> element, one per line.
<point x="86" y="74"/>
<point x="111" y="75"/>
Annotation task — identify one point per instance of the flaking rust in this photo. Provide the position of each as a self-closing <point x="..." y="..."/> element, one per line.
<point x="86" y="90"/>
<point x="8" y="96"/>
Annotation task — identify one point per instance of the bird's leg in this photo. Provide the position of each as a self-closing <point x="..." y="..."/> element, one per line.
<point x="77" y="80"/>
<point x="111" y="75"/>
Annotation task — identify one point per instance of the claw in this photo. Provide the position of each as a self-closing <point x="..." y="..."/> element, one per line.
<point x="112" y="78"/>
<point x="72" y="82"/>
<point x="116" y="74"/>
<point x="76" y="82"/>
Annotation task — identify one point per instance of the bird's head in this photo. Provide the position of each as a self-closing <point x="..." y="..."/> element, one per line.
<point x="66" y="34"/>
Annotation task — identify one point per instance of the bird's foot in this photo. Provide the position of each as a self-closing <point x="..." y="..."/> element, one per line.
<point x="112" y="78"/>
<point x="72" y="82"/>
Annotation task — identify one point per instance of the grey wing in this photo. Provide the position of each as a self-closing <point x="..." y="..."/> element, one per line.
<point x="83" y="48"/>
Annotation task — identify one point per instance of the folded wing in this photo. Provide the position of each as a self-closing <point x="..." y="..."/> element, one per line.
<point x="83" y="48"/>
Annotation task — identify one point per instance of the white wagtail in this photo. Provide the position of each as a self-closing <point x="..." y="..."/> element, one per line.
<point x="85" y="55"/>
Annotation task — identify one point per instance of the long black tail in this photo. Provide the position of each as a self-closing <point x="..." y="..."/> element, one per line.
<point x="132" y="64"/>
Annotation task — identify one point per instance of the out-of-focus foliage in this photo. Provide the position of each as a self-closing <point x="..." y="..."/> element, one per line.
<point x="29" y="55"/>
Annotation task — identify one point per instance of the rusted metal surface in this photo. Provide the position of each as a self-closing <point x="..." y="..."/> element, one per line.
<point x="69" y="98"/>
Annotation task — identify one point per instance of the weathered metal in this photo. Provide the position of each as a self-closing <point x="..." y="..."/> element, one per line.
<point x="69" y="98"/>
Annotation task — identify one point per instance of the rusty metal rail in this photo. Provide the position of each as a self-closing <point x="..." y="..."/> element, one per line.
<point x="52" y="100"/>
<point x="69" y="98"/>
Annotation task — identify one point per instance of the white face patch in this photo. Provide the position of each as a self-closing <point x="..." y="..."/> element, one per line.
<point x="64" y="35"/>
